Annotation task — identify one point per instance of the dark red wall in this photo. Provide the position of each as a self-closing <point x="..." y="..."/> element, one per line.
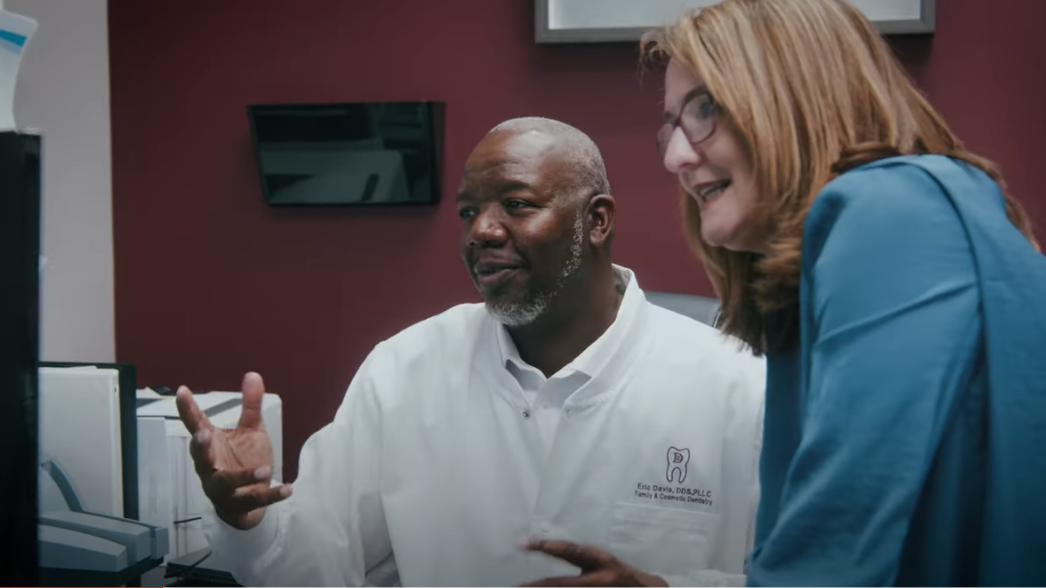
<point x="210" y="282"/>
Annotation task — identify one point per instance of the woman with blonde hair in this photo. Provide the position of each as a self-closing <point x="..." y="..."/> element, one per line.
<point x="894" y="286"/>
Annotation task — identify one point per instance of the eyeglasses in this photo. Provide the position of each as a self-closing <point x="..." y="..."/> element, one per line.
<point x="697" y="118"/>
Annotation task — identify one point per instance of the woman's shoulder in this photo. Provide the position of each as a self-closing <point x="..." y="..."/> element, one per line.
<point x="889" y="196"/>
<point x="902" y="184"/>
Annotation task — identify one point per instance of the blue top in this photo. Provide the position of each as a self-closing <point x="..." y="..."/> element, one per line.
<point x="905" y="436"/>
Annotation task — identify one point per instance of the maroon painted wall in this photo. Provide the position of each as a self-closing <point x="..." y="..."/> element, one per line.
<point x="210" y="282"/>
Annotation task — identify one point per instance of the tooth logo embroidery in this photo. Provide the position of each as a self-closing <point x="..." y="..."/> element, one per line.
<point x="678" y="462"/>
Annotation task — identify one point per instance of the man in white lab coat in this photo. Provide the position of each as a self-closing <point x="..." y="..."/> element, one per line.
<point x="565" y="432"/>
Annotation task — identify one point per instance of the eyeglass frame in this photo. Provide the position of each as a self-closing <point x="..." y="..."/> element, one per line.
<point x="676" y="121"/>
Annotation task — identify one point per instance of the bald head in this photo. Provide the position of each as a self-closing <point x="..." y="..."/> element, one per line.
<point x="537" y="217"/>
<point x="573" y="149"/>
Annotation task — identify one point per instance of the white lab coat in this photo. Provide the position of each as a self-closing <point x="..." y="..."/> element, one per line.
<point x="436" y="464"/>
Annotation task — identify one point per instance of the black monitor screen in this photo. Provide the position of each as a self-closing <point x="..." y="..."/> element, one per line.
<point x="370" y="153"/>
<point x="19" y="352"/>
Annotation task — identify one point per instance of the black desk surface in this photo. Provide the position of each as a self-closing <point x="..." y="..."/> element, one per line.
<point x="129" y="577"/>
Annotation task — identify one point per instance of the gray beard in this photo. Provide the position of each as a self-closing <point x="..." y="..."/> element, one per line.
<point x="525" y="312"/>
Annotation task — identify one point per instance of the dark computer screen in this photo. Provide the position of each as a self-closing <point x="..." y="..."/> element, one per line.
<point x="19" y="352"/>
<point x="371" y="153"/>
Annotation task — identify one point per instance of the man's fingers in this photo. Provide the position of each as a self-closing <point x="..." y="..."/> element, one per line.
<point x="597" y="579"/>
<point x="231" y="480"/>
<point x="597" y="566"/>
<point x="601" y="578"/>
<point x="556" y="581"/>
<point x="201" y="448"/>
<point x="252" y="498"/>
<point x="253" y="395"/>
<point x="583" y="556"/>
<point x="190" y="414"/>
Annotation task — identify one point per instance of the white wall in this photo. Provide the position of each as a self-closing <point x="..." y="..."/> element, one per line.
<point x="63" y="90"/>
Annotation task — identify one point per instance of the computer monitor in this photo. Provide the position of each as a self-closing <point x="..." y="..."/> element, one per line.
<point x="19" y="351"/>
<point x="348" y="154"/>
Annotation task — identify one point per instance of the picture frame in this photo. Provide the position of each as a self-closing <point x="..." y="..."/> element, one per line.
<point x="625" y="21"/>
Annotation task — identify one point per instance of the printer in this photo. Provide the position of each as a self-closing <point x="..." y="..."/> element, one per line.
<point x="170" y="494"/>
<point x="73" y="539"/>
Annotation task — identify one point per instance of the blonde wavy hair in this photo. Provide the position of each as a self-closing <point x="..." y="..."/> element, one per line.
<point x="813" y="90"/>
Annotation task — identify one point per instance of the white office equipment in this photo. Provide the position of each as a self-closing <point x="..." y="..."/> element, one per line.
<point x="15" y="32"/>
<point x="72" y="538"/>
<point x="82" y="533"/>
<point x="80" y="432"/>
<point x="170" y="493"/>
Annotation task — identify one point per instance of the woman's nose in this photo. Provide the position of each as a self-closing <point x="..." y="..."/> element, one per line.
<point x="679" y="153"/>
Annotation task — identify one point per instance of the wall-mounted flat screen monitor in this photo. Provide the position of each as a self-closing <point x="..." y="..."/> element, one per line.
<point x="348" y="154"/>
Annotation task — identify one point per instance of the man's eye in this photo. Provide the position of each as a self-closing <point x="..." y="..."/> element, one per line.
<point x="516" y="204"/>
<point x="466" y="213"/>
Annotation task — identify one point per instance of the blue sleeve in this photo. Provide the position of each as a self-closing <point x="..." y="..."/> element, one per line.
<point x="890" y="283"/>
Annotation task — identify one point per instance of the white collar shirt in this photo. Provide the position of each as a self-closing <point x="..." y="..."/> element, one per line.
<point x="546" y="396"/>
<point x="448" y="449"/>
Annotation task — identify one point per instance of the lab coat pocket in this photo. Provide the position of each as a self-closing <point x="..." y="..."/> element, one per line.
<point x="662" y="540"/>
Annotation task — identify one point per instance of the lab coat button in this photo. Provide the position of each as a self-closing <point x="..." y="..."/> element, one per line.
<point x="546" y="528"/>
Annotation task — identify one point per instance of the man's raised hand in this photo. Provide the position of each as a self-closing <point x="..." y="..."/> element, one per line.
<point x="234" y="465"/>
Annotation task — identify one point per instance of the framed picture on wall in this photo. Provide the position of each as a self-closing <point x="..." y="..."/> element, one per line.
<point x="610" y="21"/>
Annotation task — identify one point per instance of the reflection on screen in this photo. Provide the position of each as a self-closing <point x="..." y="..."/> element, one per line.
<point x="366" y="153"/>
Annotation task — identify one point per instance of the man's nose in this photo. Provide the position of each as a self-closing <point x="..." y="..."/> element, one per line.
<point x="487" y="230"/>
<point x="680" y="153"/>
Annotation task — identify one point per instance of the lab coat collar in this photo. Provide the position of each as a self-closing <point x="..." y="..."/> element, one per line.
<point x="605" y="358"/>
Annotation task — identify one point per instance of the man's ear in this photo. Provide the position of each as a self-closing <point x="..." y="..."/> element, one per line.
<point x="600" y="220"/>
